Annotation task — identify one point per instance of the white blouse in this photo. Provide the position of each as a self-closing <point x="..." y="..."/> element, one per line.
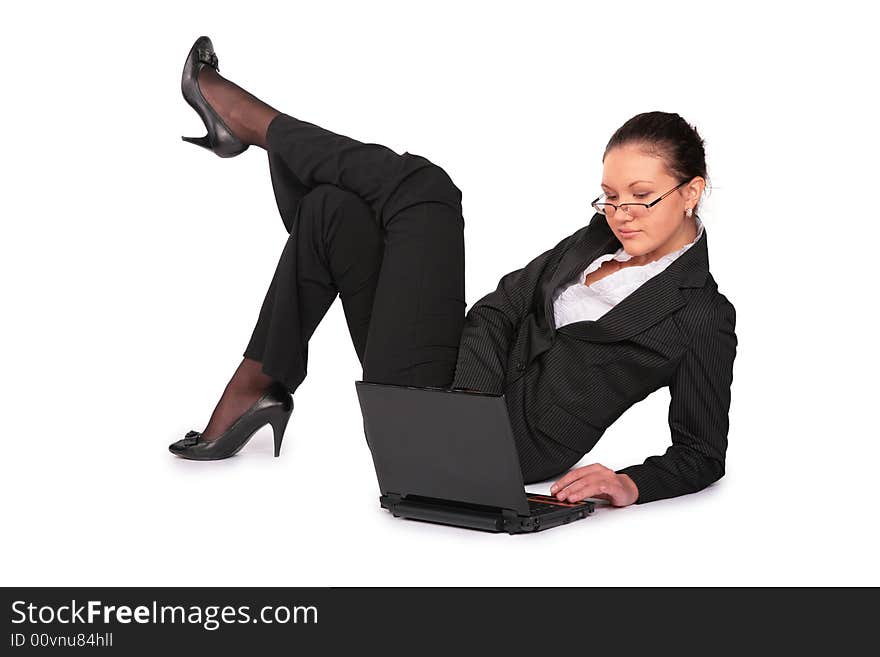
<point x="574" y="302"/>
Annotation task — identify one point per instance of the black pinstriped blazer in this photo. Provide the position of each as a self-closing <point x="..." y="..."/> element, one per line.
<point x="565" y="386"/>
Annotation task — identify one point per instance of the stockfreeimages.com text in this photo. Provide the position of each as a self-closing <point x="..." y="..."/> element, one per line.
<point x="210" y="617"/>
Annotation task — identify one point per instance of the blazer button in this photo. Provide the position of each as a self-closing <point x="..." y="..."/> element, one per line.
<point x="520" y="365"/>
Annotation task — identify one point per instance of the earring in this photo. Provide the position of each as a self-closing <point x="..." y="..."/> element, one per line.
<point x="689" y="212"/>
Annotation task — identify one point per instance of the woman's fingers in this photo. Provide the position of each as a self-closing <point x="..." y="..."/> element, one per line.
<point x="586" y="486"/>
<point x="574" y="475"/>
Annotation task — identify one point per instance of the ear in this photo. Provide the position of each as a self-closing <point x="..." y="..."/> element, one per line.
<point x="694" y="190"/>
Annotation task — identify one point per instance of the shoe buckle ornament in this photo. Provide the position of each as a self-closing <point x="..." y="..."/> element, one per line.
<point x="191" y="438"/>
<point x="209" y="57"/>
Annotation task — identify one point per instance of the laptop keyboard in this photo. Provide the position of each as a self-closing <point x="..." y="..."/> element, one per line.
<point x="541" y="504"/>
<point x="539" y="508"/>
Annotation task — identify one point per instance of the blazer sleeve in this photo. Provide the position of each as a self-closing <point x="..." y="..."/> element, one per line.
<point x="698" y="414"/>
<point x="491" y="325"/>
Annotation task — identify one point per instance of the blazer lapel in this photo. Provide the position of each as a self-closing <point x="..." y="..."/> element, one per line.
<point x="597" y="240"/>
<point x="656" y="298"/>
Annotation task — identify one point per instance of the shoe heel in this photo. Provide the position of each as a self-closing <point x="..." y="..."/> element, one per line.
<point x="204" y="142"/>
<point x="279" y="424"/>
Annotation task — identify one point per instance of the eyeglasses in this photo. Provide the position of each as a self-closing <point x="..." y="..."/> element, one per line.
<point x="636" y="210"/>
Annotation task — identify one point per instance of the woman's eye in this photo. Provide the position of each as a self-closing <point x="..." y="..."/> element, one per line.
<point x="640" y="195"/>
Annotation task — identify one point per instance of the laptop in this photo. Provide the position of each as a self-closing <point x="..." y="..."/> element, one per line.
<point x="448" y="456"/>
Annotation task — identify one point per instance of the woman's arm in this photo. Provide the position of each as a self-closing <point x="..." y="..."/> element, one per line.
<point x="698" y="415"/>
<point x="698" y="419"/>
<point x="491" y="325"/>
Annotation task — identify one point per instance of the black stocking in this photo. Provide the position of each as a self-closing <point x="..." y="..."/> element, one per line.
<point x="243" y="389"/>
<point x="246" y="115"/>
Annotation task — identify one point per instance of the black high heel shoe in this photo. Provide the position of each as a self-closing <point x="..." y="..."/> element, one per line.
<point x="219" y="138"/>
<point x="273" y="407"/>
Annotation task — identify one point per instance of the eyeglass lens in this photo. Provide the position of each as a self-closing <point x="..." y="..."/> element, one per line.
<point x="634" y="210"/>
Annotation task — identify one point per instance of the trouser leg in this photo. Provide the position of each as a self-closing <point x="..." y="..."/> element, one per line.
<point x="334" y="247"/>
<point x="418" y="310"/>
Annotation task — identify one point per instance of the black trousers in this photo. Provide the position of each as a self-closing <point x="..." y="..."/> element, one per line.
<point x="383" y="231"/>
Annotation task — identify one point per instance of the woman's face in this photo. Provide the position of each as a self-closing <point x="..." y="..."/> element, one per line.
<point x="632" y="176"/>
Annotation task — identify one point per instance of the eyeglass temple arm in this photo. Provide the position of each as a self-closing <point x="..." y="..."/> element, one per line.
<point x="655" y="202"/>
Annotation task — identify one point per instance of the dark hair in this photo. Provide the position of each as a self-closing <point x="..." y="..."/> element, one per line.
<point x="667" y="136"/>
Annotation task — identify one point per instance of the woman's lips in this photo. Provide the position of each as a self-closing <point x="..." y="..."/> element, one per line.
<point x="629" y="233"/>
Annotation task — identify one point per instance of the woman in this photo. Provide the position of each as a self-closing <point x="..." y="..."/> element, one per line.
<point x="616" y="310"/>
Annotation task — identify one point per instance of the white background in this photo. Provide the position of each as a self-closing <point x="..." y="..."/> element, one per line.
<point x="134" y="266"/>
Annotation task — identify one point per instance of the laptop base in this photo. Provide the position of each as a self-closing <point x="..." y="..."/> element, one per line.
<point x="472" y="516"/>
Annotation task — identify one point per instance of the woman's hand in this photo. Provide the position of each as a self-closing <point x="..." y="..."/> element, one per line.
<point x="595" y="480"/>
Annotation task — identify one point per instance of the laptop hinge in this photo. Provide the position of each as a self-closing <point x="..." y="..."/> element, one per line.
<point x="389" y="498"/>
<point x="397" y="498"/>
